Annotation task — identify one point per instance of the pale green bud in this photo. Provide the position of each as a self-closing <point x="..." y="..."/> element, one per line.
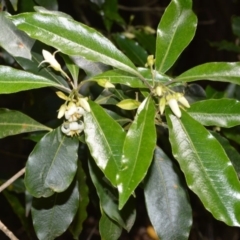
<point x="84" y="104"/>
<point x="105" y="83"/>
<point x="128" y="104"/>
<point x="161" y="105"/>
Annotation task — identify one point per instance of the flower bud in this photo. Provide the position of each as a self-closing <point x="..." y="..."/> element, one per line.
<point x="84" y="104"/>
<point x="161" y="105"/>
<point x="128" y="104"/>
<point x="105" y="83"/>
<point x="172" y="102"/>
<point x="61" y="111"/>
<point x="159" y="91"/>
<point x="184" y="101"/>
<point x="62" y="95"/>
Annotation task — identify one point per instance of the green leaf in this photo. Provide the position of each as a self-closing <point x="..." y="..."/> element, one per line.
<point x="18" y="209"/>
<point x="52" y="164"/>
<point x="81" y="215"/>
<point x="175" y="31"/>
<point x="137" y="151"/>
<point x="146" y="40"/>
<point x="109" y="230"/>
<point x="207" y="169"/>
<point x="216" y="112"/>
<point x="132" y="49"/>
<point x="232" y="153"/>
<point x="105" y="149"/>
<point x="13" y="80"/>
<point x="167" y="200"/>
<point x="53" y="215"/>
<point x="73" y="38"/>
<point x="236" y="25"/>
<point x="14" y="122"/>
<point x="108" y="199"/>
<point x="213" y="71"/>
<point x="15" y="42"/>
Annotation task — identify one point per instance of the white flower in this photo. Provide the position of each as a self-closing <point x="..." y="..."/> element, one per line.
<point x="72" y="128"/>
<point x="50" y="58"/>
<point x="73" y="113"/>
<point x="159" y="91"/>
<point x="61" y="111"/>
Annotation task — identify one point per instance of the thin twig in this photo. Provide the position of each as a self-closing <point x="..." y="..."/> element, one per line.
<point x="7" y="231"/>
<point x="12" y="179"/>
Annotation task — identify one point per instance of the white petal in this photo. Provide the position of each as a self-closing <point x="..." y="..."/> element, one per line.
<point x="84" y="103"/>
<point x="184" y="102"/>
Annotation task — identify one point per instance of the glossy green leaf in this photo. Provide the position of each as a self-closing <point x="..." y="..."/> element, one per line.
<point x="175" y="31"/>
<point x="41" y="9"/>
<point x="232" y="133"/>
<point x="104" y="148"/>
<point x="73" y="38"/>
<point x="232" y="153"/>
<point x="109" y="230"/>
<point x="137" y="151"/>
<point x="81" y="215"/>
<point x="213" y="71"/>
<point x="53" y="215"/>
<point x="166" y="199"/>
<point x="208" y="171"/>
<point x="16" y="42"/>
<point x="13" y="80"/>
<point x="52" y="164"/>
<point x="132" y="49"/>
<point x="108" y="199"/>
<point x="216" y="112"/>
<point x="14" y="122"/>
<point x="146" y="40"/>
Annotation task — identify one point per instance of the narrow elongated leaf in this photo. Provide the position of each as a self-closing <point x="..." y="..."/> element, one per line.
<point x="14" y="122"/>
<point x="73" y="38"/>
<point x="216" y="112"/>
<point x="81" y="215"/>
<point x="109" y="230"/>
<point x="213" y="71"/>
<point x="52" y="164"/>
<point x="175" y="31"/>
<point x="137" y="151"/>
<point x="108" y="200"/>
<point x="52" y="216"/>
<point x="208" y="171"/>
<point x="105" y="149"/>
<point x="167" y="200"/>
<point x="13" y="80"/>
<point x="16" y="42"/>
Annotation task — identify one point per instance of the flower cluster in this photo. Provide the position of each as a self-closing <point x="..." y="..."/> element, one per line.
<point x="168" y="97"/>
<point x="73" y="110"/>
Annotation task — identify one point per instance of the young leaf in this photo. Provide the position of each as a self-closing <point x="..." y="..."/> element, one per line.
<point x="175" y="31"/>
<point x="73" y="38"/>
<point x="166" y="198"/>
<point x="216" y="112"/>
<point x="106" y="149"/>
<point x="109" y="230"/>
<point x="213" y="71"/>
<point x="108" y="199"/>
<point x="14" y="122"/>
<point x="16" y="42"/>
<point x="52" y="164"/>
<point x="13" y="80"/>
<point x="81" y="215"/>
<point x="207" y="169"/>
<point x="137" y="151"/>
<point x="53" y="215"/>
